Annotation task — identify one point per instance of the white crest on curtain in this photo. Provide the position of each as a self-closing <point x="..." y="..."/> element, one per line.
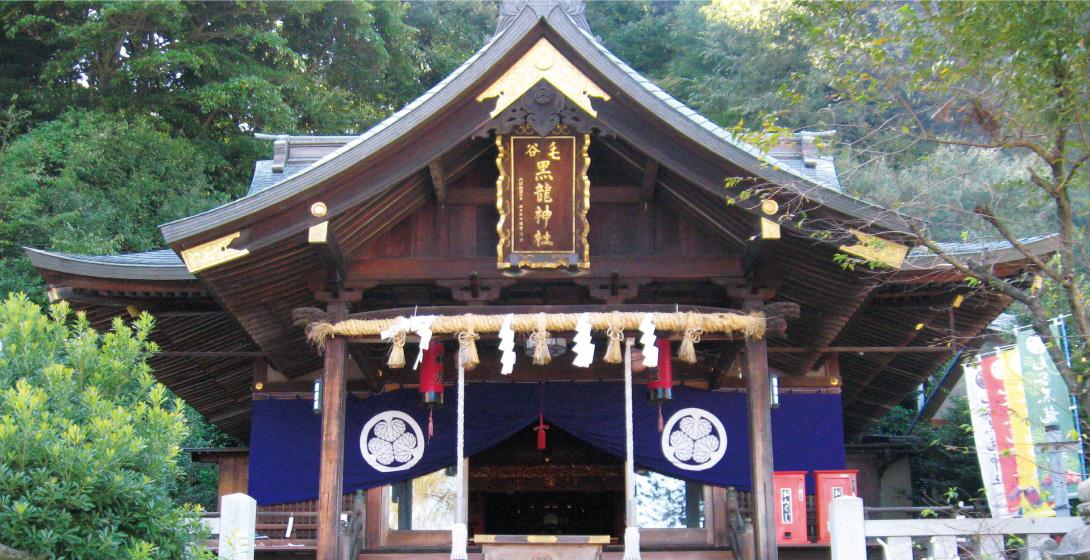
<point x="693" y="439"/>
<point x="391" y="441"/>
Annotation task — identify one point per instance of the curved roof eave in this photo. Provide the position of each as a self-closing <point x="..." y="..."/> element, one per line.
<point x="393" y="127"/>
<point x="990" y="252"/>
<point x="163" y="265"/>
<point x="683" y="119"/>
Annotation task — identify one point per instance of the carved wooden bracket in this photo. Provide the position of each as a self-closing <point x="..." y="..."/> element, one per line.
<point x="474" y="291"/>
<point x="613" y="291"/>
<point x="541" y="111"/>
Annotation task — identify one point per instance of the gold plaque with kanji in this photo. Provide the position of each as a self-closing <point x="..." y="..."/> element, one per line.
<point x="543" y="195"/>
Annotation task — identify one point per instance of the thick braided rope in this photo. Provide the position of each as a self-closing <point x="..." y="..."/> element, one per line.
<point x="751" y="325"/>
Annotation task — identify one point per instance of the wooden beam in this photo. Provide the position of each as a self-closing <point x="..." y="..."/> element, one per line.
<point x="860" y="349"/>
<point x="653" y="267"/>
<point x="377" y="519"/>
<point x="331" y="470"/>
<point x="598" y="195"/>
<point x="328" y="251"/>
<point x="763" y="262"/>
<point x="875" y="369"/>
<point x="438" y="180"/>
<point x="728" y="367"/>
<point x="233" y="413"/>
<point x="209" y="354"/>
<point x="758" y="399"/>
<point x="156" y="305"/>
<point x="361" y="354"/>
<point x="650" y="177"/>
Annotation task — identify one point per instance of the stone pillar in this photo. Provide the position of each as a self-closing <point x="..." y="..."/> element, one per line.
<point x="237" y="524"/>
<point x="849" y="540"/>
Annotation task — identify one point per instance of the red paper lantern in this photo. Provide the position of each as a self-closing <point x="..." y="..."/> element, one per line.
<point x="661" y="390"/>
<point x="431" y="375"/>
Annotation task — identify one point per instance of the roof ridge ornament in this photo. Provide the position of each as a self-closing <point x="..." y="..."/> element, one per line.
<point x="510" y="10"/>
<point x="543" y="62"/>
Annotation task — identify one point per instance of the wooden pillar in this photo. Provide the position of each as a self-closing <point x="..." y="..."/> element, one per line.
<point x="234" y="475"/>
<point x="377" y="526"/>
<point x="331" y="471"/>
<point x="760" y="441"/>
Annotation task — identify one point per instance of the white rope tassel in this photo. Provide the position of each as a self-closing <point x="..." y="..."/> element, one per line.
<point x="459" y="534"/>
<point x="632" y="530"/>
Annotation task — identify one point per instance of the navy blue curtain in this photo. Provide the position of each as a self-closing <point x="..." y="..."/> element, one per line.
<point x="286" y="435"/>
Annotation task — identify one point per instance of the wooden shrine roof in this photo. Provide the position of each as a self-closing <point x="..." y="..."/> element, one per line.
<point x="412" y="205"/>
<point x="208" y="357"/>
<point x="470" y="78"/>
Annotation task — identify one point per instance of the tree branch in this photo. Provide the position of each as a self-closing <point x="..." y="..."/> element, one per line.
<point x="1007" y="234"/>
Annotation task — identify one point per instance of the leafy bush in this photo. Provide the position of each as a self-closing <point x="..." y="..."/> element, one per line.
<point x="944" y="463"/>
<point x="89" y="441"/>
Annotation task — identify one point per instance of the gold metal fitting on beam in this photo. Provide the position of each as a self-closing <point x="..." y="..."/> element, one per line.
<point x="318" y="210"/>
<point x="212" y="253"/>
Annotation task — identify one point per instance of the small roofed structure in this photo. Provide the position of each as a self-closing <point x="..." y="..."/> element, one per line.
<point x="449" y="209"/>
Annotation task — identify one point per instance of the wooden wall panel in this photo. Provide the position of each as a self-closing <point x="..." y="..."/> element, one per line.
<point x="613" y="229"/>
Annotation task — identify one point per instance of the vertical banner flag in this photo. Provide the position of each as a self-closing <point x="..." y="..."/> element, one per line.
<point x="987" y="452"/>
<point x="1029" y="495"/>
<point x="1049" y="405"/>
<point x="1025" y="430"/>
<point x="991" y="371"/>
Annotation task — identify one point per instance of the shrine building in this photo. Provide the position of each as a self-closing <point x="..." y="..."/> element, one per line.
<point x="531" y="314"/>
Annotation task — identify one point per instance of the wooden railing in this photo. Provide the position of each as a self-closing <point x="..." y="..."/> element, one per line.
<point x="943" y="539"/>
<point x="296" y="527"/>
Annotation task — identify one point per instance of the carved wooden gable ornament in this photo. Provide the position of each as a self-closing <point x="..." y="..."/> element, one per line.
<point x="543" y="120"/>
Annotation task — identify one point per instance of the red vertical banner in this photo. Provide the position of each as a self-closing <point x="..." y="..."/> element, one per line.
<point x="1001" y="423"/>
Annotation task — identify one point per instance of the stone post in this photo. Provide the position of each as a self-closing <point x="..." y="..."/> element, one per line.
<point x="849" y="540"/>
<point x="237" y="525"/>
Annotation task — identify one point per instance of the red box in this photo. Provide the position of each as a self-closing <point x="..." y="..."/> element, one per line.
<point x="830" y="485"/>
<point x="790" y="491"/>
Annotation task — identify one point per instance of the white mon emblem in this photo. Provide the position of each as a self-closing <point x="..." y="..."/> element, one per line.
<point x="693" y="439"/>
<point x="391" y="441"/>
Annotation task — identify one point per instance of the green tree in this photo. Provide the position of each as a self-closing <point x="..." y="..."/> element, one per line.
<point x="199" y="482"/>
<point x="214" y="72"/>
<point x="943" y="457"/>
<point x="448" y="32"/>
<point x="1012" y="77"/>
<point x="88" y="441"/>
<point x="93" y="183"/>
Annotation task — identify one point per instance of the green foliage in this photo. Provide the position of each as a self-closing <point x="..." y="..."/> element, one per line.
<point x="140" y="113"/>
<point x="448" y="33"/>
<point x="948" y="185"/>
<point x="199" y="483"/>
<point x="731" y="61"/>
<point x="88" y="441"/>
<point x="998" y="93"/>
<point x="93" y="183"/>
<point x="944" y="463"/>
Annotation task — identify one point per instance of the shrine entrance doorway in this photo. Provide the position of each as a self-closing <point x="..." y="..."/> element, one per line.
<point x="567" y="488"/>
